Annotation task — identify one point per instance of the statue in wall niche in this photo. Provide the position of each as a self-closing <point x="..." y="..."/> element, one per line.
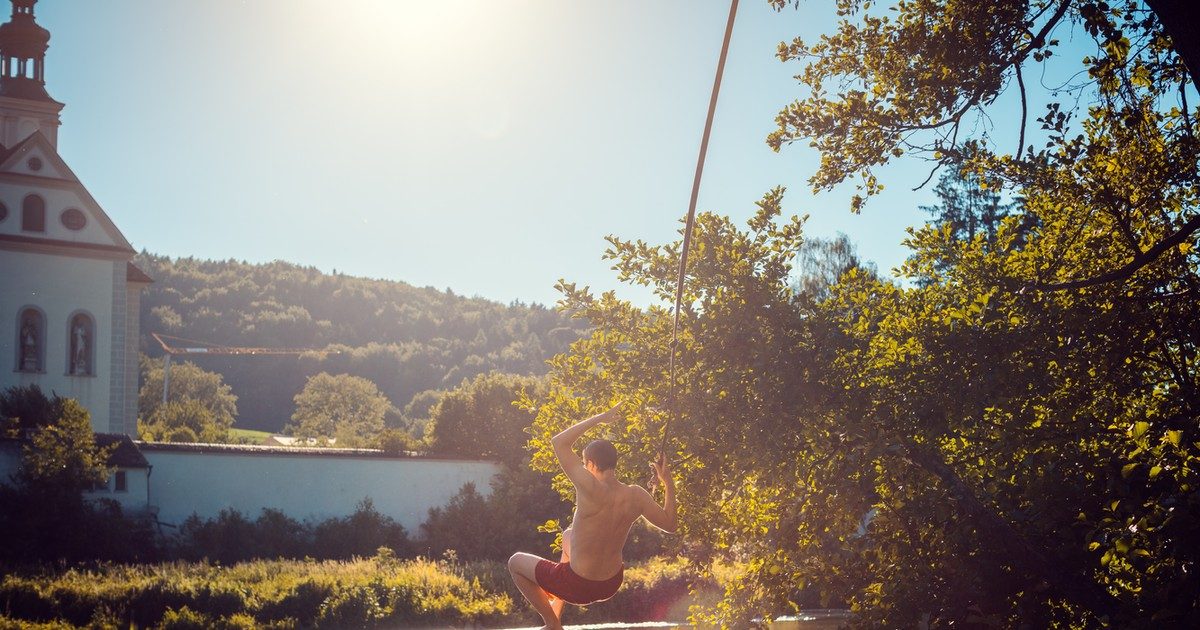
<point x="79" y="348"/>
<point x="29" y="345"/>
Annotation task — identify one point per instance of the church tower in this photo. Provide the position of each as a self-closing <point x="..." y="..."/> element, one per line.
<point x="70" y="295"/>
<point x="25" y="106"/>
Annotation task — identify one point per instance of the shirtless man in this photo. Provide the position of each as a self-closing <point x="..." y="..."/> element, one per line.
<point x="592" y="566"/>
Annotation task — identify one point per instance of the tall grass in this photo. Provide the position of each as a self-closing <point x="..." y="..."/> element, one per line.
<point x="376" y="591"/>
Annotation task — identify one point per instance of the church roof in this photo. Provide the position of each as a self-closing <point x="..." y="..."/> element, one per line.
<point x="56" y="174"/>
<point x="126" y="454"/>
<point x="133" y="274"/>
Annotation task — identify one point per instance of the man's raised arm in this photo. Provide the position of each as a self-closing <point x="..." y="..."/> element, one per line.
<point x="665" y="516"/>
<point x="562" y="443"/>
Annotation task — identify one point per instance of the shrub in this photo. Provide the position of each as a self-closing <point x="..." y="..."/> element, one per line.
<point x="303" y="603"/>
<point x="277" y="535"/>
<point x="13" y="624"/>
<point x="21" y="598"/>
<point x="396" y="442"/>
<point x="356" y="606"/>
<point x="220" y="599"/>
<point x="185" y="619"/>
<point x="150" y="603"/>
<point x="360" y="534"/>
<point x="492" y="528"/>
<point x="227" y="539"/>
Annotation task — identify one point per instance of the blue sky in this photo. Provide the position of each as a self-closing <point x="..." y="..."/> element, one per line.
<point x="483" y="146"/>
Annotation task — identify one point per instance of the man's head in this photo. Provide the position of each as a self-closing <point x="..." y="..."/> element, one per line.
<point x="601" y="454"/>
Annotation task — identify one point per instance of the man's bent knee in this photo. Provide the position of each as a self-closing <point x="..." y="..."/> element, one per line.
<point x="523" y="564"/>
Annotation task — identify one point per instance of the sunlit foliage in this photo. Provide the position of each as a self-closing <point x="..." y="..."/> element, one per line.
<point x="1008" y="436"/>
<point x="406" y="339"/>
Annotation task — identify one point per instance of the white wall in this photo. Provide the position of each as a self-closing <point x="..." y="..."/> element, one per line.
<point x="57" y="200"/>
<point x="132" y="500"/>
<point x="60" y="285"/>
<point x="303" y="485"/>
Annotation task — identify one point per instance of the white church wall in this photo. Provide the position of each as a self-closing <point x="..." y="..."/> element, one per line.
<point x="60" y="286"/>
<point x="204" y="479"/>
<point x="134" y="499"/>
<point x="57" y="200"/>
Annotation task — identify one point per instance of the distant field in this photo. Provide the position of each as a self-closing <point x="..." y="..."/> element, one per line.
<point x="249" y="435"/>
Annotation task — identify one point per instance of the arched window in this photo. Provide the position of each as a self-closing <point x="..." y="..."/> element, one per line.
<point x="31" y="340"/>
<point x="33" y="214"/>
<point x="81" y="345"/>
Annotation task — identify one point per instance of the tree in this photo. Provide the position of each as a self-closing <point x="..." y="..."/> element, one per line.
<point x="348" y="408"/>
<point x="1063" y="346"/>
<point x="185" y="420"/>
<point x="931" y="454"/>
<point x="1120" y="144"/>
<point x="62" y="459"/>
<point x="749" y="377"/>
<point x="188" y="382"/>
<point x="26" y="407"/>
<point x="47" y="517"/>
<point x="480" y="418"/>
<point x="1005" y="444"/>
<point x="822" y="262"/>
<point x="966" y="208"/>
<point x="417" y="411"/>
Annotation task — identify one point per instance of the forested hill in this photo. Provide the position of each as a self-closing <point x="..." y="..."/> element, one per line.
<point x="404" y="338"/>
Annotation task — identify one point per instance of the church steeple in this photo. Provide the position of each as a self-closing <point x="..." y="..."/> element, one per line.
<point x="25" y="106"/>
<point x="23" y="47"/>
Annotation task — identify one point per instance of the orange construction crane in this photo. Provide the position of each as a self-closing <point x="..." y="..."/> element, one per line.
<point x="201" y="347"/>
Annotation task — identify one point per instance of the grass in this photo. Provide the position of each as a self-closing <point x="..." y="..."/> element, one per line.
<point x="249" y="435"/>
<point x="377" y="591"/>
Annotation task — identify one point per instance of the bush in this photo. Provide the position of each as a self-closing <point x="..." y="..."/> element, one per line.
<point x="227" y="539"/>
<point x="277" y="535"/>
<point x="492" y="528"/>
<point x="231" y="537"/>
<point x="152" y="601"/>
<point x="378" y="590"/>
<point x="301" y="604"/>
<point x="396" y="442"/>
<point x="356" y="606"/>
<point x="185" y="619"/>
<point x="360" y="534"/>
<point x="21" y="598"/>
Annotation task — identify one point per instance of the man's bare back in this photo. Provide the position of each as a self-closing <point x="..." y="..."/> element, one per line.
<point x="604" y="514"/>
<point x="605" y="510"/>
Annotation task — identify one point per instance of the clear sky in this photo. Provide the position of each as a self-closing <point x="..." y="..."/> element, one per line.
<point x="482" y="145"/>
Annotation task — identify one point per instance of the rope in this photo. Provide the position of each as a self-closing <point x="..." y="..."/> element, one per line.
<point x="691" y="218"/>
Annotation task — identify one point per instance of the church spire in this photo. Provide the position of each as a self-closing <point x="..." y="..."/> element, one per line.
<point x="23" y="47"/>
<point x="25" y="106"/>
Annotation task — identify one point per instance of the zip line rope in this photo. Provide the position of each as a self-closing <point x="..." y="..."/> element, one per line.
<point x="691" y="219"/>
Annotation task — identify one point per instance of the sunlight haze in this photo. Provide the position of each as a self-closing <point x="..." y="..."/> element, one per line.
<point x="487" y="147"/>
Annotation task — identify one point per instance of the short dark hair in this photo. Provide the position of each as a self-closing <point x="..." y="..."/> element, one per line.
<point x="602" y="453"/>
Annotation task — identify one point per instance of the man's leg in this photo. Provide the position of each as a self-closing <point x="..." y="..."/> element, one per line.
<point x="522" y="568"/>
<point x="556" y="603"/>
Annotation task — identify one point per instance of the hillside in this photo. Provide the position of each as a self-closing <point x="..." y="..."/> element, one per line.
<point x="404" y="338"/>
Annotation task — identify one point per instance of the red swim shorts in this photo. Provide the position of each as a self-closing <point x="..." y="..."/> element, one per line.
<point x="559" y="580"/>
